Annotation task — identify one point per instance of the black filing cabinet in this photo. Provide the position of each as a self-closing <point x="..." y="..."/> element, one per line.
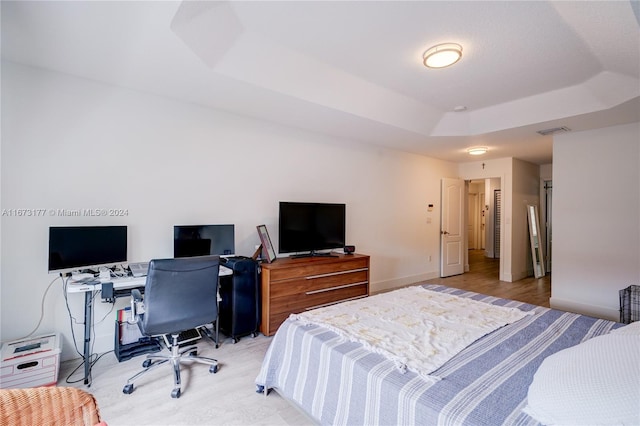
<point x="239" y="308"/>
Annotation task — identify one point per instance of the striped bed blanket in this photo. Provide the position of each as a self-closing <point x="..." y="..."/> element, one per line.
<point x="337" y="381"/>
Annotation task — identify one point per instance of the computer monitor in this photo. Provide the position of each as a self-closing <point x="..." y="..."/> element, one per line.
<point x="74" y="247"/>
<point x="203" y="240"/>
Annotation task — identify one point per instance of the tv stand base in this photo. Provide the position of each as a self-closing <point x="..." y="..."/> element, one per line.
<point x="294" y="285"/>
<point x="313" y="254"/>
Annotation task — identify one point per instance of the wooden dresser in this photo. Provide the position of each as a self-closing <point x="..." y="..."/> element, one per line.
<point x="295" y="285"/>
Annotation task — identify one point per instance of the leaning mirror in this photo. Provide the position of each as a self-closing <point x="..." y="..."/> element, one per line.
<point x="534" y="236"/>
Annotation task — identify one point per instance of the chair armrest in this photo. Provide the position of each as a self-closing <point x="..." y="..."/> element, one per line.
<point x="136" y="295"/>
<point x="136" y="308"/>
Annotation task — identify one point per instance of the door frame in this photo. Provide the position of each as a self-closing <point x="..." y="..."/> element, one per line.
<point x="501" y="179"/>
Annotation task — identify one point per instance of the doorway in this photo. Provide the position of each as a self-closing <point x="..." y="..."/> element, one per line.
<point x="476" y="220"/>
<point x="484" y="225"/>
<point x="493" y="228"/>
<point x="463" y="228"/>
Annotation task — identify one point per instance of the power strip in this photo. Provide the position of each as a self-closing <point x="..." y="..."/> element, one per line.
<point x="80" y="277"/>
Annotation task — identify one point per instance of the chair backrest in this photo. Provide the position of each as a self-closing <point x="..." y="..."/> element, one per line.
<point x="180" y="294"/>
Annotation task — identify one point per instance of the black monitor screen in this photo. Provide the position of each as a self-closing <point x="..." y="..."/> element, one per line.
<point x="203" y="240"/>
<point x="311" y="226"/>
<point x="73" y="247"/>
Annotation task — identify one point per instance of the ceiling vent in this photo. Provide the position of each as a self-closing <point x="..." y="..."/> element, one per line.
<point x="547" y="132"/>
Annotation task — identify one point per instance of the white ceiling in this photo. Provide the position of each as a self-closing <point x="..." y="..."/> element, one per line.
<point x="354" y="68"/>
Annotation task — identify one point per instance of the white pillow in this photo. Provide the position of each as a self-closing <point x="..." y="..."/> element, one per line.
<point x="594" y="383"/>
<point x="633" y="328"/>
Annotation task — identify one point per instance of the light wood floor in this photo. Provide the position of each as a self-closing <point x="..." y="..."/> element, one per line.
<point x="483" y="278"/>
<point x="225" y="398"/>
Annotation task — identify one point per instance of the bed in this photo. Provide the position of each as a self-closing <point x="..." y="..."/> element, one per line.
<point x="338" y="380"/>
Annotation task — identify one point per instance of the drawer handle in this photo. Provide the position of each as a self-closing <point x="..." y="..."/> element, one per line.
<point x="335" y="288"/>
<point x="333" y="303"/>
<point x="330" y="274"/>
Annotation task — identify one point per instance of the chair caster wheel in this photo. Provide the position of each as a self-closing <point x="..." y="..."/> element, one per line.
<point x="127" y="389"/>
<point x="146" y="363"/>
<point x="193" y="353"/>
<point x="213" y="369"/>
<point x="175" y="393"/>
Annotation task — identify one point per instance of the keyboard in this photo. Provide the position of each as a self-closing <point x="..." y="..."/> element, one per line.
<point x="184" y="337"/>
<point x="128" y="282"/>
<point x="139" y="269"/>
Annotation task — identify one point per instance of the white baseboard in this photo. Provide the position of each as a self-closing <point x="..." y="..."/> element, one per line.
<point x="382" y="286"/>
<point x="584" y="309"/>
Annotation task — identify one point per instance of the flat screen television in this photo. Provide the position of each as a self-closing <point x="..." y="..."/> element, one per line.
<point x="309" y="227"/>
<point x="76" y="247"/>
<point x="203" y="240"/>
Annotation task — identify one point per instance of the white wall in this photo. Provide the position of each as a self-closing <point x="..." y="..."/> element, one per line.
<point x="596" y="211"/>
<point x="526" y="190"/>
<point x="546" y="171"/>
<point x="69" y="143"/>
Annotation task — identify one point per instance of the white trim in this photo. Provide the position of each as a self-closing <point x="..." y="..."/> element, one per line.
<point x="585" y="309"/>
<point x="393" y="284"/>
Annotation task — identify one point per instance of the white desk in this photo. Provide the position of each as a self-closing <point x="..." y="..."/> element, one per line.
<point x="88" y="289"/>
<point x="118" y="283"/>
<point x="123" y="283"/>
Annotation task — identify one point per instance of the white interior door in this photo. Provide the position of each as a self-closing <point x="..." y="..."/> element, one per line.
<point x="452" y="227"/>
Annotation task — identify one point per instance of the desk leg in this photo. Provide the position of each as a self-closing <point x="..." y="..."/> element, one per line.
<point x="88" y="310"/>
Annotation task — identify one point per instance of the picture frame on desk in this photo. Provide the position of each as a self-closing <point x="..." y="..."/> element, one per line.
<point x="268" y="253"/>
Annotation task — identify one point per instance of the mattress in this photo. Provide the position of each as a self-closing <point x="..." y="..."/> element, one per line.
<point x="338" y="381"/>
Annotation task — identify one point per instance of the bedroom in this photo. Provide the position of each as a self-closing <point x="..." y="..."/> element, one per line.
<point x="71" y="142"/>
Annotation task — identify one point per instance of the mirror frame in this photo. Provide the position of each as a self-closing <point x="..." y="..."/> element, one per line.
<point x="537" y="257"/>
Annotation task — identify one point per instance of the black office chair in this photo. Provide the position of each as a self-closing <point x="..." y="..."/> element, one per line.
<point x="179" y="295"/>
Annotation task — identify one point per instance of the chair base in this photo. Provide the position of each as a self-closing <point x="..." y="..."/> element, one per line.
<point x="176" y="357"/>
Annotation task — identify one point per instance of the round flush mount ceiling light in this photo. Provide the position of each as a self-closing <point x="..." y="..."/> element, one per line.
<point x="442" y="55"/>
<point x="477" y="150"/>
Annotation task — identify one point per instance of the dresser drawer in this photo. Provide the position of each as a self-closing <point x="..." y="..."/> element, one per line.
<point x="319" y="283"/>
<point x="306" y="269"/>
<point x="292" y="285"/>
<point x="282" y="307"/>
